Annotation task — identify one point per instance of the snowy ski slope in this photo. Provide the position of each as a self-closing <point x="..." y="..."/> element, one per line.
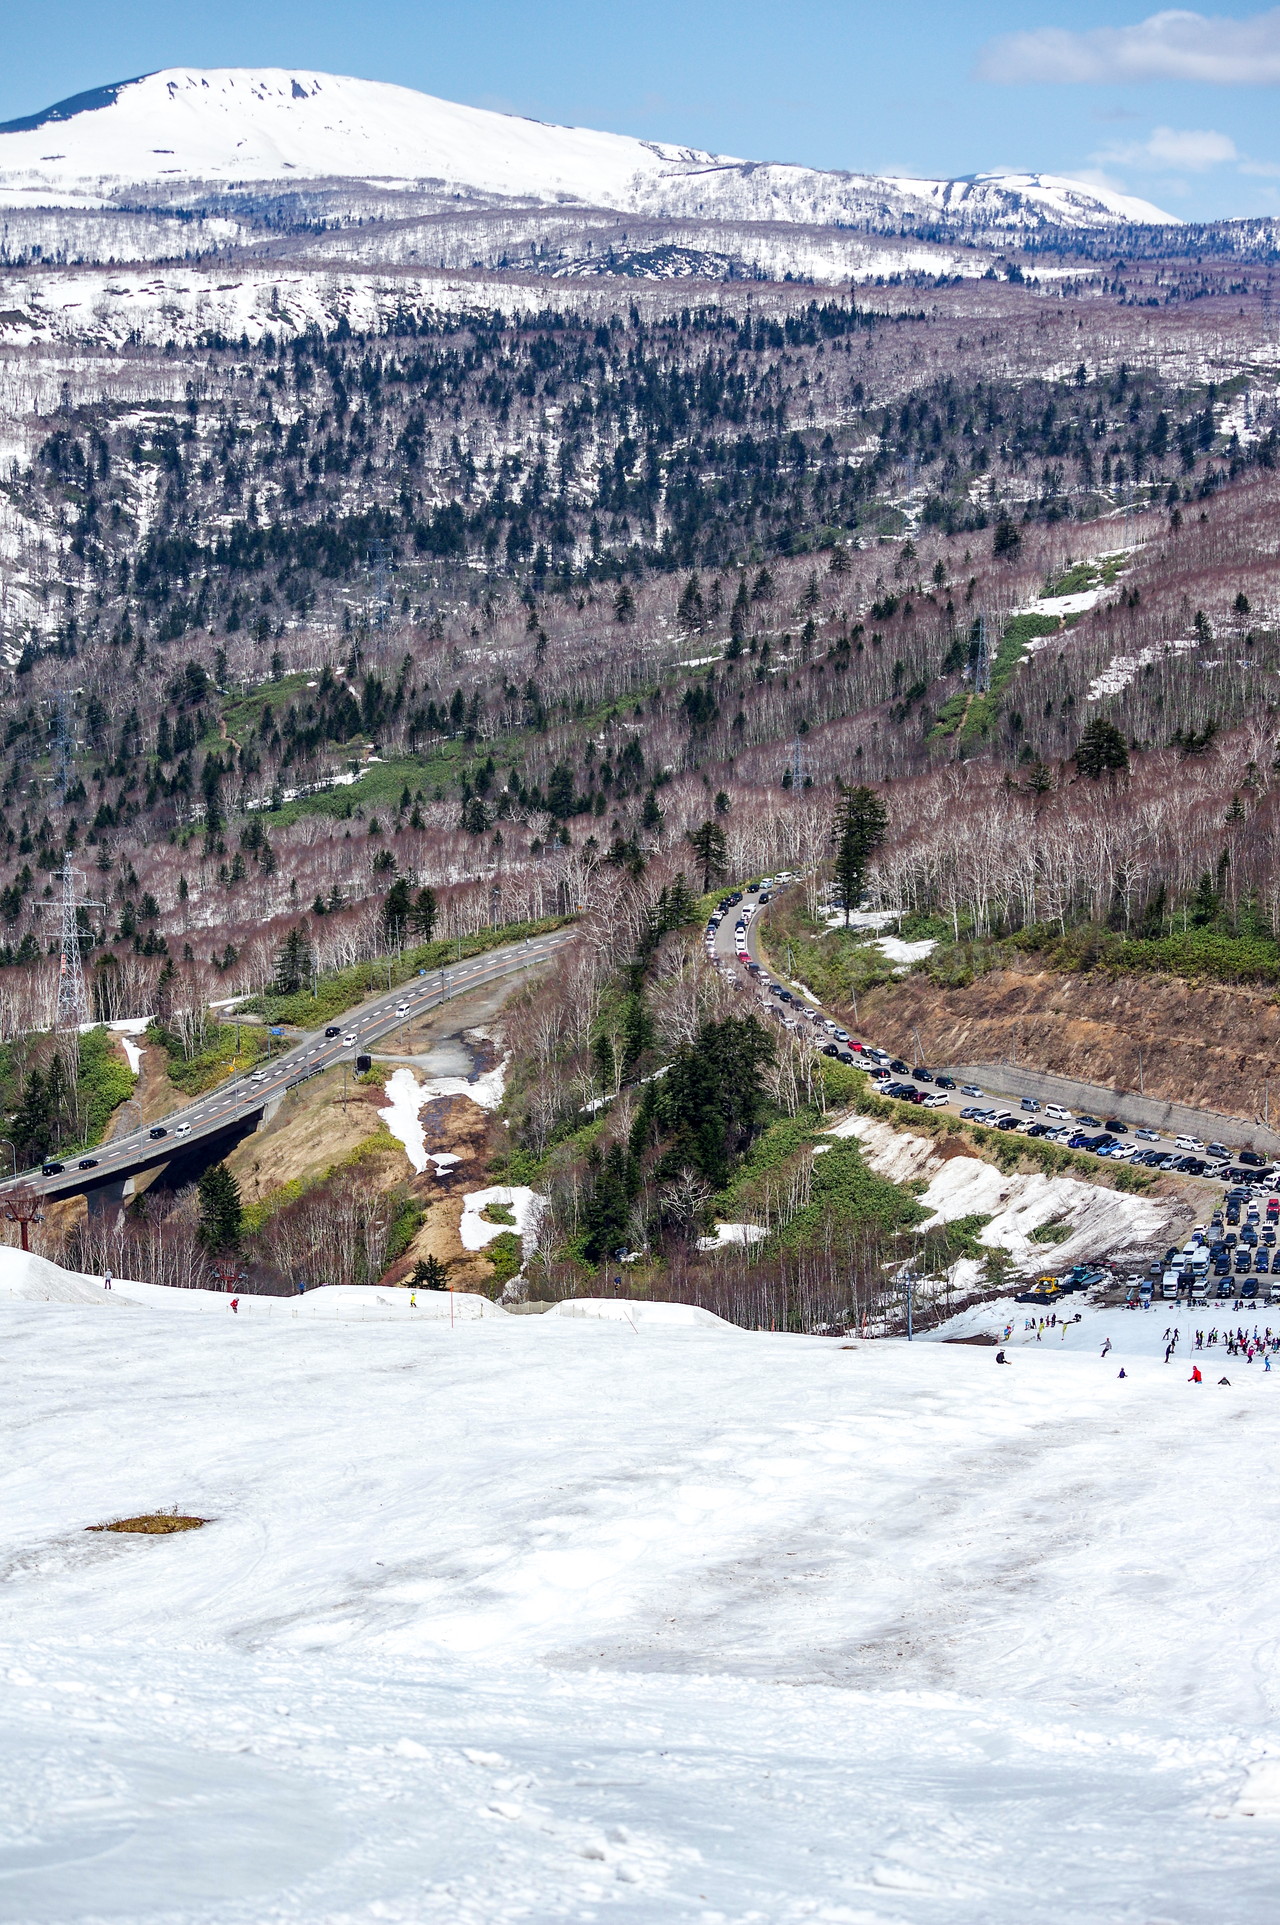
<point x="549" y="1618"/>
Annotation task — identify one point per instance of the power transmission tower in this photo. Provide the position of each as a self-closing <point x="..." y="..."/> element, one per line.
<point x="797" y="762"/>
<point x="73" y="999"/>
<point x="982" y="660"/>
<point x="63" y="740"/>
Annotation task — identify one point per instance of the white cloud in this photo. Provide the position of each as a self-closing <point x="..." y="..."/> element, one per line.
<point x="1173" y="45"/>
<point x="1192" y="151"/>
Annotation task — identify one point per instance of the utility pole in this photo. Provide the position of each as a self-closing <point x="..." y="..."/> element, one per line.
<point x="908" y="1282"/>
<point x="797" y="762"/>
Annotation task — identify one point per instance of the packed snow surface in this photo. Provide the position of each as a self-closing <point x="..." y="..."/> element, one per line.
<point x="589" y="1618"/>
<point x="233" y="124"/>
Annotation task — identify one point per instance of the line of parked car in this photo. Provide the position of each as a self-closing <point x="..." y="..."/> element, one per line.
<point x="1110" y="1139"/>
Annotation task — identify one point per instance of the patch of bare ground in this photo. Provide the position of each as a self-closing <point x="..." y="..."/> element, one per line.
<point x="1210" y="1045"/>
<point x="451" y="1126"/>
<point x="315" y="1127"/>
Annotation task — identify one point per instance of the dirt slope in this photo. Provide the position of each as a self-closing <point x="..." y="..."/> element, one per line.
<point x="1206" y="1044"/>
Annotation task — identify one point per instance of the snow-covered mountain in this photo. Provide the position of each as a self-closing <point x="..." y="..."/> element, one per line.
<point x="230" y="126"/>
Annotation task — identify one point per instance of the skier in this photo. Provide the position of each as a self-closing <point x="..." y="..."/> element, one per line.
<point x="106" y="1281"/>
<point x="235" y="1306"/>
<point x="1195" y="1377"/>
<point x="413" y="1300"/>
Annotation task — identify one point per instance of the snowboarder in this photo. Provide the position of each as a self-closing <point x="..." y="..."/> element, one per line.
<point x="235" y="1306"/>
<point x="1121" y="1372"/>
<point x="413" y="1300"/>
<point x="1226" y="1381"/>
<point x="1195" y="1377"/>
<point x="106" y="1281"/>
<point x="1001" y="1358"/>
<point x="1106" y="1348"/>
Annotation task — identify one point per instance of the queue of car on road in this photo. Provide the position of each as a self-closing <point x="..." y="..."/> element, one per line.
<point x="1110" y="1139"/>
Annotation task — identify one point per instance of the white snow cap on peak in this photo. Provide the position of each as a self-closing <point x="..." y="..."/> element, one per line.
<point x="241" y="124"/>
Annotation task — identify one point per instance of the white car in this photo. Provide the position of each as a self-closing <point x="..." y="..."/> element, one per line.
<point x="1188" y="1143"/>
<point x="936" y="1102"/>
<point x="349" y="1039"/>
<point x="183" y="1129"/>
<point x="402" y="1009"/>
<point x="1056" y="1111"/>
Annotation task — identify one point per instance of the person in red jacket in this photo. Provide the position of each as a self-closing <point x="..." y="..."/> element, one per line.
<point x="235" y="1306"/>
<point x="1195" y="1377"/>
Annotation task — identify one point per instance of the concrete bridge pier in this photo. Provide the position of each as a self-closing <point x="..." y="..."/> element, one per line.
<point x="109" y="1199"/>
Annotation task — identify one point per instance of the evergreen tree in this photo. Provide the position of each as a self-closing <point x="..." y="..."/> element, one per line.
<point x="33" y="1125"/>
<point x="711" y="846"/>
<point x="712" y="1097"/>
<point x="293" y="964"/>
<point x="1006" y="541"/>
<point x="221" y="1215"/>
<point x="425" y="910"/>
<point x="429" y="1274"/>
<point x="1101" y="750"/>
<point x="614" y="1184"/>
<point x="396" y="911"/>
<point x="859" y="829"/>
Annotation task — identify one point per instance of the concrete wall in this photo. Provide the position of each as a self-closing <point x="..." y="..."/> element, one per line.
<point x="1175" y="1119"/>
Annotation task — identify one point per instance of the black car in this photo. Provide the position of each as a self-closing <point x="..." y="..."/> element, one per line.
<point x="1116" y="1127"/>
<point x="899" y="1068"/>
<point x="333" y="1030"/>
<point x="1040" y="1129"/>
<point x="923" y="1074"/>
<point x="51" y="1169"/>
<point x="1249" y="1287"/>
<point x="829" y="1049"/>
<point x="159" y="1130"/>
<point x="1242" y="1263"/>
<point x="845" y="1055"/>
<point x="1088" y="1122"/>
<point x="87" y="1163"/>
<point x="1009" y="1123"/>
<point x="945" y="1082"/>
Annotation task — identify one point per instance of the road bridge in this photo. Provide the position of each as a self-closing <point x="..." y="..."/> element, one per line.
<point x="209" y="1128"/>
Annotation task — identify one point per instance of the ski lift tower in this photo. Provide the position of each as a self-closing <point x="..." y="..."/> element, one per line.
<point x="73" y="998"/>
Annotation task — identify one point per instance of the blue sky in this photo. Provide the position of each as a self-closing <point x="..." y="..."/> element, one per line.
<point x="1176" y="105"/>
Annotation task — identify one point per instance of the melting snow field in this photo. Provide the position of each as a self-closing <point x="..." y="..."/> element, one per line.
<point x="616" y="1617"/>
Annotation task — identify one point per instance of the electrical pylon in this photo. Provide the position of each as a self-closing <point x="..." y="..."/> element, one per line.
<point x="73" y="997"/>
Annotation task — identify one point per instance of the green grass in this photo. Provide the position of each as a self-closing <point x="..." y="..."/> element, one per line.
<point x="846" y="1192"/>
<point x="1212" y="954"/>
<point x="104" y="1083"/>
<point x="1052" y="1233"/>
<point x="506" y="1254"/>
<point x="229" y="1049"/>
<point x="347" y="987"/>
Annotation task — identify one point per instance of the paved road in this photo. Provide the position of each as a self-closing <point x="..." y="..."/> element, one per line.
<point x="230" y="1107"/>
<point x="727" y="949"/>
